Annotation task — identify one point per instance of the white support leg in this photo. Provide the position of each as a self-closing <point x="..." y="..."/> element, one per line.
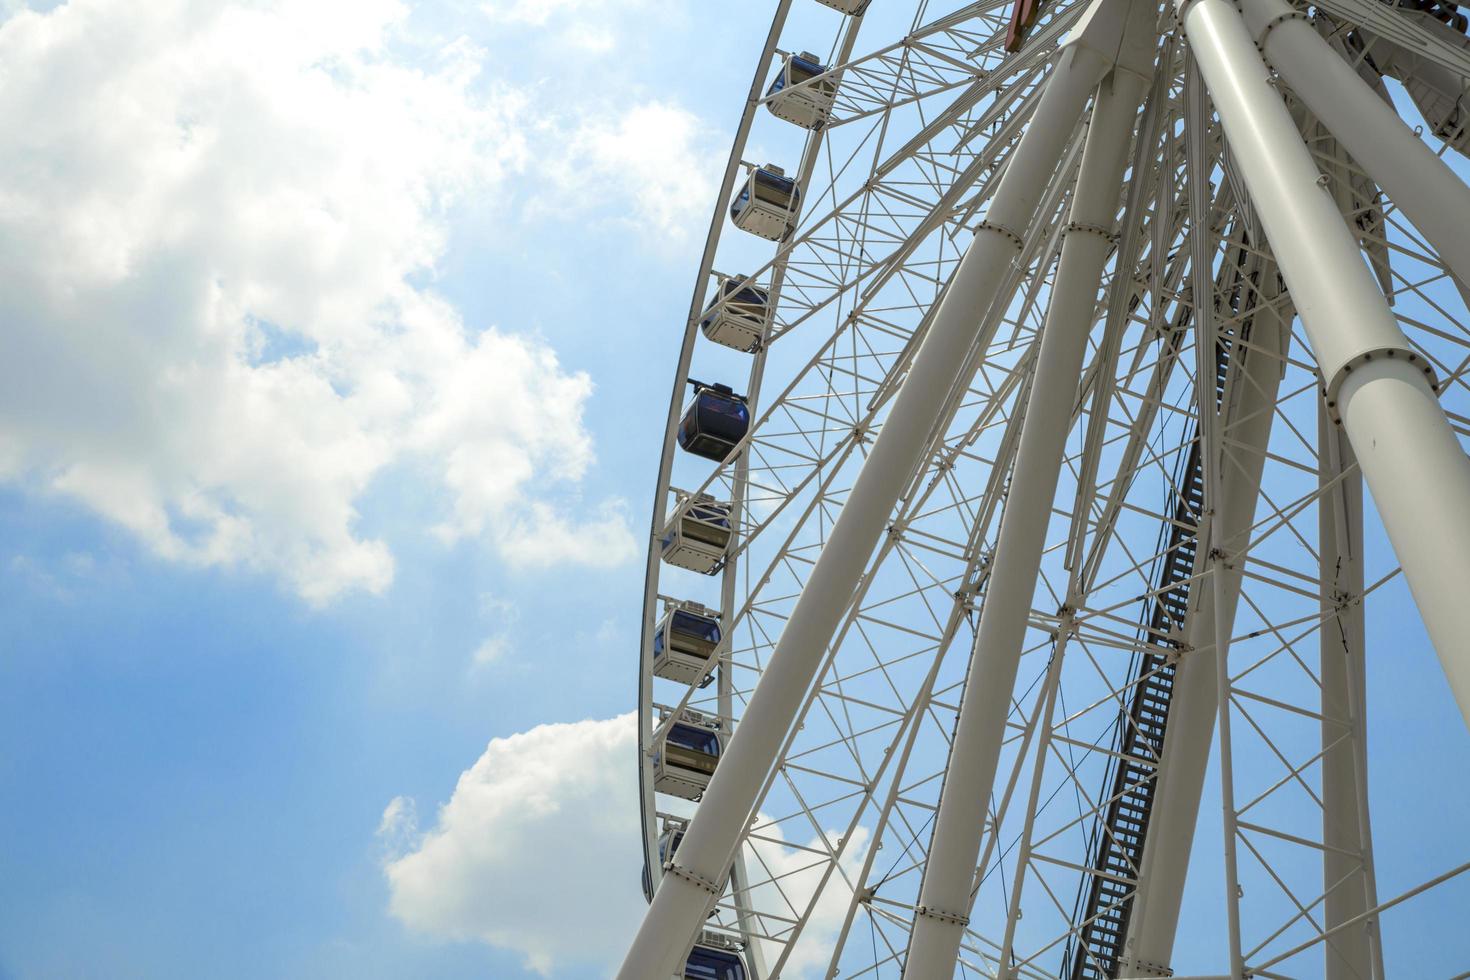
<point x="689" y="888"/>
<point x="1415" y="468"/>
<point x="1192" y="710"/>
<point x="1344" y="872"/>
<point x="1420" y="183"/>
<point x="944" y="900"/>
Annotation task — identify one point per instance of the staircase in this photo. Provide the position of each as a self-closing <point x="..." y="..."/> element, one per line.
<point x="1106" y="901"/>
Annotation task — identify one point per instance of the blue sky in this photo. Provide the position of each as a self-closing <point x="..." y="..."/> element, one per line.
<point x="344" y="333"/>
<point x="196" y="752"/>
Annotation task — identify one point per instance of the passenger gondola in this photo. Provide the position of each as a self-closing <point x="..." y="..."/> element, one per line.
<point x="847" y="6"/>
<point x="708" y="962"/>
<point x="684" y="643"/>
<point x="668" y="844"/>
<point x="737" y="314"/>
<point x="697" y="535"/>
<point x="768" y="203"/>
<point x="714" y="422"/>
<point x="796" y="98"/>
<point x="686" y="756"/>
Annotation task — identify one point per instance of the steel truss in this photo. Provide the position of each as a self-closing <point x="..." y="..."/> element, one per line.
<point x="1166" y="509"/>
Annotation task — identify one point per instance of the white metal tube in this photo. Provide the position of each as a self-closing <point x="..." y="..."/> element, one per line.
<point x="1415" y="468"/>
<point x="1418" y="182"/>
<point x="945" y="897"/>
<point x="1346" y="849"/>
<point x="1192" y="708"/>
<point x="1217" y="582"/>
<point x="686" y="893"/>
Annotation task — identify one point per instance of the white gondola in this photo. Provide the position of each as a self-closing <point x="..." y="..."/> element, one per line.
<point x="847" y="6"/>
<point x="684" y="643"/>
<point x="768" y="204"/>
<point x="687" y="754"/>
<point x="697" y="535"/>
<point x="802" y="92"/>
<point x="715" y="957"/>
<point x="737" y="315"/>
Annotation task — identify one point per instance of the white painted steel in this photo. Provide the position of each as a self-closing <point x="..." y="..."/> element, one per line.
<point x="957" y="834"/>
<point x="1346" y="847"/>
<point x="680" y="904"/>
<point x="1420" y="184"/>
<point x="1417" y="472"/>
<point x="1247" y="425"/>
<point x="946" y="560"/>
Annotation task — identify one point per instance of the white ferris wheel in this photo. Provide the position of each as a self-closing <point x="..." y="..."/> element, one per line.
<point x="1010" y="527"/>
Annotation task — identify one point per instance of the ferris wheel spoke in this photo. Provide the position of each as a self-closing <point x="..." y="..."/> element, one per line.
<point x="1181" y="528"/>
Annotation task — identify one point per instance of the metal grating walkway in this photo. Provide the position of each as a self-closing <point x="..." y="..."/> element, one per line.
<point x="1117" y="842"/>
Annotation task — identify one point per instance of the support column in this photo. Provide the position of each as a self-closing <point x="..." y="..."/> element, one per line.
<point x="1344" y="873"/>
<point x="1192" y="708"/>
<point x="1380" y="389"/>
<point x="944" y="899"/>
<point x="1420" y="183"/>
<point x="692" y="885"/>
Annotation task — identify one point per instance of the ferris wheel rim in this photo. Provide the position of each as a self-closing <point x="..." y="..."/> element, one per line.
<point x="690" y="338"/>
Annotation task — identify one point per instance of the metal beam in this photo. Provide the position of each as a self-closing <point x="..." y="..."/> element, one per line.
<point x="697" y="878"/>
<point x="944" y="899"/>
<point x="1420" y="183"/>
<point x="1380" y="389"/>
<point x="1247" y="424"/>
<point x="1347" y="849"/>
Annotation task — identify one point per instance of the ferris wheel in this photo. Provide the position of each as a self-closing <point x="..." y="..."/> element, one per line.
<point x="1011" y="508"/>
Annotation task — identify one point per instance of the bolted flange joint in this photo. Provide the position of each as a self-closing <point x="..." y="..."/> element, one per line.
<point x="1106" y="234"/>
<point x="1331" y="389"/>
<point x="1003" y="232"/>
<point x="940" y="916"/>
<point x="715" y="888"/>
<point x="1274" y="23"/>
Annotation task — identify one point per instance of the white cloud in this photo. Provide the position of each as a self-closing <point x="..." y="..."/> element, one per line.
<point x="545" y="820"/>
<point x="492" y="650"/>
<point x="538" y="12"/>
<point x="398" y="829"/>
<point x="215" y="229"/>
<point x="548" y="819"/>
<point x="660" y="160"/>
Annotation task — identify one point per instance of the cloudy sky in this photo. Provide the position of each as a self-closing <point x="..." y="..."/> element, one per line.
<point x="326" y="441"/>
<point x="325" y="448"/>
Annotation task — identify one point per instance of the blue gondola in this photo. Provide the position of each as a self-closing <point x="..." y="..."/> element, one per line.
<point x="714" y="423"/>
<point x="710" y="963"/>
<point x="684" y="643"/>
<point x="847" y="6"/>
<point x="796" y="98"/>
<point x="768" y="203"/>
<point x="737" y="314"/>
<point x="686" y="759"/>
<point x="697" y="536"/>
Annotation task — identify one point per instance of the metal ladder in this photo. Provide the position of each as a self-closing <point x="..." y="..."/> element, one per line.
<point x="1106" y="899"/>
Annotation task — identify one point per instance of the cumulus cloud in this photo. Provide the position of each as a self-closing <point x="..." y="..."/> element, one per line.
<point x="537" y="850"/>
<point x="544" y="828"/>
<point x="398" y="829"/>
<point x="491" y="650"/>
<point x="218" y="231"/>
<point x="658" y="157"/>
<point x="540" y="12"/>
